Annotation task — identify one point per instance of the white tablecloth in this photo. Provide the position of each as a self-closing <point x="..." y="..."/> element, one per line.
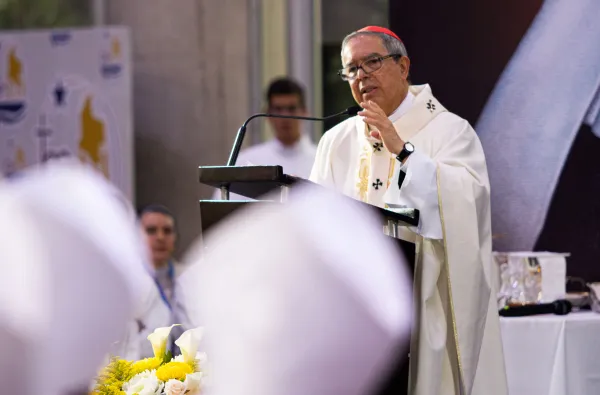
<point x="552" y="355"/>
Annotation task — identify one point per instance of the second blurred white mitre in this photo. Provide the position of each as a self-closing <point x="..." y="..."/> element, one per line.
<point x="308" y="297"/>
<point x="72" y="261"/>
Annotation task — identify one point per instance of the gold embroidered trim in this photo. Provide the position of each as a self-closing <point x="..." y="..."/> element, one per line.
<point x="460" y="368"/>
<point x="391" y="172"/>
<point x="362" y="185"/>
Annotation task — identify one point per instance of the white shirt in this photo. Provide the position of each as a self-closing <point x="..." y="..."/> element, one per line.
<point x="296" y="160"/>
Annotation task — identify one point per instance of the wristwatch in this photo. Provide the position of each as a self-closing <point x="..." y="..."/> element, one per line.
<point x="406" y="151"/>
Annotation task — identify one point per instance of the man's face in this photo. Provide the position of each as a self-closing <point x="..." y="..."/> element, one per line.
<point x="160" y="233"/>
<point x="286" y="130"/>
<point x="387" y="86"/>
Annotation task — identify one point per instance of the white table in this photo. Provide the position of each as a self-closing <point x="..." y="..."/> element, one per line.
<point x="552" y="355"/>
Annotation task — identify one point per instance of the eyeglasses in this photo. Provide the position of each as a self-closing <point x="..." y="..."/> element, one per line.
<point x="368" y="66"/>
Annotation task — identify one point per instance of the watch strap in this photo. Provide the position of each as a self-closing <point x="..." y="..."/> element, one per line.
<point x="404" y="153"/>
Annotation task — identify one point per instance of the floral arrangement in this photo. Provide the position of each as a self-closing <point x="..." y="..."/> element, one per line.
<point x="160" y="375"/>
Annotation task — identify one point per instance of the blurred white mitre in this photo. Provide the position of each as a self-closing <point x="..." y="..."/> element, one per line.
<point x="303" y="298"/>
<point x="71" y="258"/>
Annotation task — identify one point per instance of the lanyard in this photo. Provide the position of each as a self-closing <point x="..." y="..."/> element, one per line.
<point x="161" y="290"/>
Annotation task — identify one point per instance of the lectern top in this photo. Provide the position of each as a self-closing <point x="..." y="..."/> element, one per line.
<point x="255" y="182"/>
<point x="250" y="181"/>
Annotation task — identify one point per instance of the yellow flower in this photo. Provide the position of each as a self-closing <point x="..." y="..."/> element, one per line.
<point x="159" y="338"/>
<point x="112" y="377"/>
<point x="174" y="370"/>
<point x="146" y="364"/>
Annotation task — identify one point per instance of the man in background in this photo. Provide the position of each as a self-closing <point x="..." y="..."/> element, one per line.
<point x="291" y="148"/>
<point x="160" y="228"/>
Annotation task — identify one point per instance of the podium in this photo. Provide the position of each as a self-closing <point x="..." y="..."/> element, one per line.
<point x="255" y="182"/>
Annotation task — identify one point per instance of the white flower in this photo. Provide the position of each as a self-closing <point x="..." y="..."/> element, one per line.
<point x="145" y="383"/>
<point x="193" y="383"/>
<point x="158" y="339"/>
<point x="188" y="343"/>
<point x="178" y="358"/>
<point x="201" y="361"/>
<point x="175" y="387"/>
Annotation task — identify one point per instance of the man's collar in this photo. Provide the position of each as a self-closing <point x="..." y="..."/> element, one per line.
<point x="403" y="107"/>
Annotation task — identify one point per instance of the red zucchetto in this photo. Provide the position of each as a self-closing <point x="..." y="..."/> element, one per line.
<point x="378" y="29"/>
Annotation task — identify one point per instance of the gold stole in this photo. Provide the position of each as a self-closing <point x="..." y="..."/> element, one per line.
<point x="376" y="163"/>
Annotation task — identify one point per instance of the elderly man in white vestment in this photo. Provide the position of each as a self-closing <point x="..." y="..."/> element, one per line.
<point x="406" y="150"/>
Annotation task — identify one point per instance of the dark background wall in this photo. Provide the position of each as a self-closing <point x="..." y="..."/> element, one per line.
<point x="460" y="48"/>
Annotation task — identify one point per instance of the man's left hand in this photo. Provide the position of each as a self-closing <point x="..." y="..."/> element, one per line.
<point x="374" y="116"/>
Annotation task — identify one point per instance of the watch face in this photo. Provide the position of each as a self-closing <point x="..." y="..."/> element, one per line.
<point x="409" y="147"/>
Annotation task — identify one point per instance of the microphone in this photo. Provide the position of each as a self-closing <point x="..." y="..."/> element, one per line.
<point x="558" y="307"/>
<point x="239" y="138"/>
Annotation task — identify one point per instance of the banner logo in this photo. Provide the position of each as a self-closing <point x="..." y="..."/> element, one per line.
<point x="12" y="88"/>
<point x="112" y="59"/>
<point x="60" y="37"/>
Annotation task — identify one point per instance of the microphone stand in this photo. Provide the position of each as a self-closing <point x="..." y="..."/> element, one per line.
<point x="239" y="138"/>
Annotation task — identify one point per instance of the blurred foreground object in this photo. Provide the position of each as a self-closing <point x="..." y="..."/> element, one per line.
<point x="72" y="260"/>
<point x="302" y="298"/>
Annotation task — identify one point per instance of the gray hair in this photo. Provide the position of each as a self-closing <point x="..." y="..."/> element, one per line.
<point x="391" y="44"/>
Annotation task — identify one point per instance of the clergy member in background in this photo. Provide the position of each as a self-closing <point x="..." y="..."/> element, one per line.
<point x="310" y="298"/>
<point x="406" y="150"/>
<point x="158" y="224"/>
<point x="291" y="147"/>
<point x="160" y="228"/>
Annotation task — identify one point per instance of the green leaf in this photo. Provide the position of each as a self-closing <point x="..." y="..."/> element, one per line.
<point x="168" y="357"/>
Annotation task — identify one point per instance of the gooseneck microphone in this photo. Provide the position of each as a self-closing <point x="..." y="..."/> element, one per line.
<point x="239" y="138"/>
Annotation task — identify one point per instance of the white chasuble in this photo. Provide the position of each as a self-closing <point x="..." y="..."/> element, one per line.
<point x="456" y="346"/>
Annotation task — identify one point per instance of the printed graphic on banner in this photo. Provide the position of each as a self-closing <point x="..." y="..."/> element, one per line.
<point x="112" y="57"/>
<point x="15" y="160"/>
<point x="92" y="147"/>
<point x="74" y="104"/>
<point x="61" y="37"/>
<point x="59" y="97"/>
<point x="59" y="94"/>
<point x="47" y="151"/>
<point x="12" y="85"/>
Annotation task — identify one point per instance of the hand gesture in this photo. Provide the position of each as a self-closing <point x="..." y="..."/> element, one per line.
<point x="374" y="116"/>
